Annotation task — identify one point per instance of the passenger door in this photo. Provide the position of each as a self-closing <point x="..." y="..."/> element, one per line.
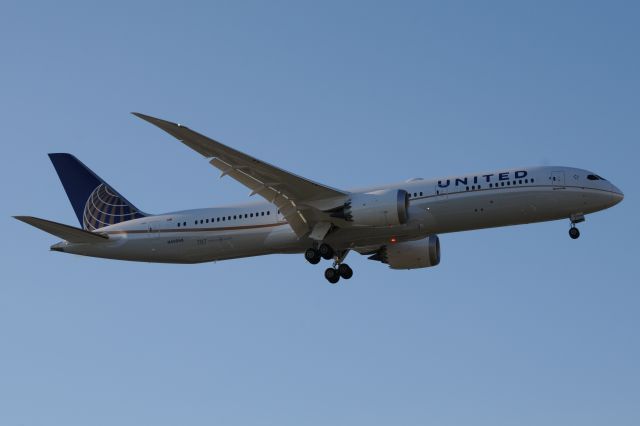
<point x="441" y="193"/>
<point x="153" y="234"/>
<point x="557" y="178"/>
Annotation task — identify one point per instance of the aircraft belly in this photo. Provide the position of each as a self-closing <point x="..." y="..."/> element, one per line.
<point x="212" y="246"/>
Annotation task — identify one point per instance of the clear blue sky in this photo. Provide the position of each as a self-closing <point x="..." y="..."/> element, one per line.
<point x="517" y="326"/>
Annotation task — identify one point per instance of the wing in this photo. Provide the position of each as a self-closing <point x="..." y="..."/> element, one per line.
<point x="289" y="192"/>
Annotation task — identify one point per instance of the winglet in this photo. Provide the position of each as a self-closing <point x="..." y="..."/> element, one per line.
<point x="163" y="124"/>
<point x="180" y="132"/>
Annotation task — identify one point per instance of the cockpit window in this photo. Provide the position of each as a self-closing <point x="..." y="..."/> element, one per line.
<point x="595" y="177"/>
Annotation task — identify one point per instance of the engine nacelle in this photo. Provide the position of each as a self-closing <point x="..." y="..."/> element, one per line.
<point x="410" y="254"/>
<point x="379" y="208"/>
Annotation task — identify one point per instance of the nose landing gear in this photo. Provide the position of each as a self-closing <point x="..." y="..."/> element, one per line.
<point x="574" y="232"/>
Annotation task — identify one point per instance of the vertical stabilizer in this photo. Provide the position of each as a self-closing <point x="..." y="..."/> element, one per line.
<point x="95" y="203"/>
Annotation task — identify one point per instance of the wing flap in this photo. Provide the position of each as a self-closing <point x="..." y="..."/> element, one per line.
<point x="66" y="232"/>
<point x="268" y="191"/>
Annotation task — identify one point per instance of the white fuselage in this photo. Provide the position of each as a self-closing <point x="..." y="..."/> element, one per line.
<point x="458" y="203"/>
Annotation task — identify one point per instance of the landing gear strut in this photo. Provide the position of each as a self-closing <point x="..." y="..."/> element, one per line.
<point x="574" y="232"/>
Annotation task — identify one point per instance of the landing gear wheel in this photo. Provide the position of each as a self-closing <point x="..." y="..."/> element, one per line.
<point x="574" y="233"/>
<point x="345" y="271"/>
<point x="332" y="275"/>
<point x="312" y="256"/>
<point x="326" y="251"/>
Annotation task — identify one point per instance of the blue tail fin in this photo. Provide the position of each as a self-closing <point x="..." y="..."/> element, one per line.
<point x="96" y="203"/>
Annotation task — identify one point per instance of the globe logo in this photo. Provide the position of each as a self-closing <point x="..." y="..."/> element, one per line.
<point x="106" y="207"/>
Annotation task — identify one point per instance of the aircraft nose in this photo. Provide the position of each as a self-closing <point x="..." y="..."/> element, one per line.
<point x="616" y="195"/>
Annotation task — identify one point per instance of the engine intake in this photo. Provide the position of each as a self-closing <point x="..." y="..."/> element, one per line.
<point x="410" y="254"/>
<point x="379" y="208"/>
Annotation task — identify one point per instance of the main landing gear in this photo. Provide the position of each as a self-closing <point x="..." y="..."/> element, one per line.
<point x="574" y="232"/>
<point x="338" y="270"/>
<point x="312" y="256"/>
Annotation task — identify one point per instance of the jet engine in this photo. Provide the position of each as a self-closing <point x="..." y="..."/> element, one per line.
<point x="380" y="208"/>
<point x="410" y="254"/>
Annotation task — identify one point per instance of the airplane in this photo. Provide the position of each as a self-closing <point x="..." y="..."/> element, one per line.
<point x="396" y="224"/>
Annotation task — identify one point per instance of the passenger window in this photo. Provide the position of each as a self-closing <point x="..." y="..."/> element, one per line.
<point x="251" y="215"/>
<point x="223" y="218"/>
<point x="531" y="180"/>
<point x="467" y="188"/>
<point x="178" y="224"/>
<point x="207" y="220"/>
<point x="479" y="186"/>
<point x="234" y="217"/>
<point x="268" y="212"/>
<point x="520" y="181"/>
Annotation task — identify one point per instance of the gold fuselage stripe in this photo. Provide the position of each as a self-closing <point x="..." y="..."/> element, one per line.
<point x="228" y="228"/>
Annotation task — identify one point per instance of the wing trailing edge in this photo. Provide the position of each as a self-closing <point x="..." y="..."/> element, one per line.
<point x="294" y="195"/>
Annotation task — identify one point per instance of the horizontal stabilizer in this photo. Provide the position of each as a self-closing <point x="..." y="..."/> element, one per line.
<point x="66" y="232"/>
